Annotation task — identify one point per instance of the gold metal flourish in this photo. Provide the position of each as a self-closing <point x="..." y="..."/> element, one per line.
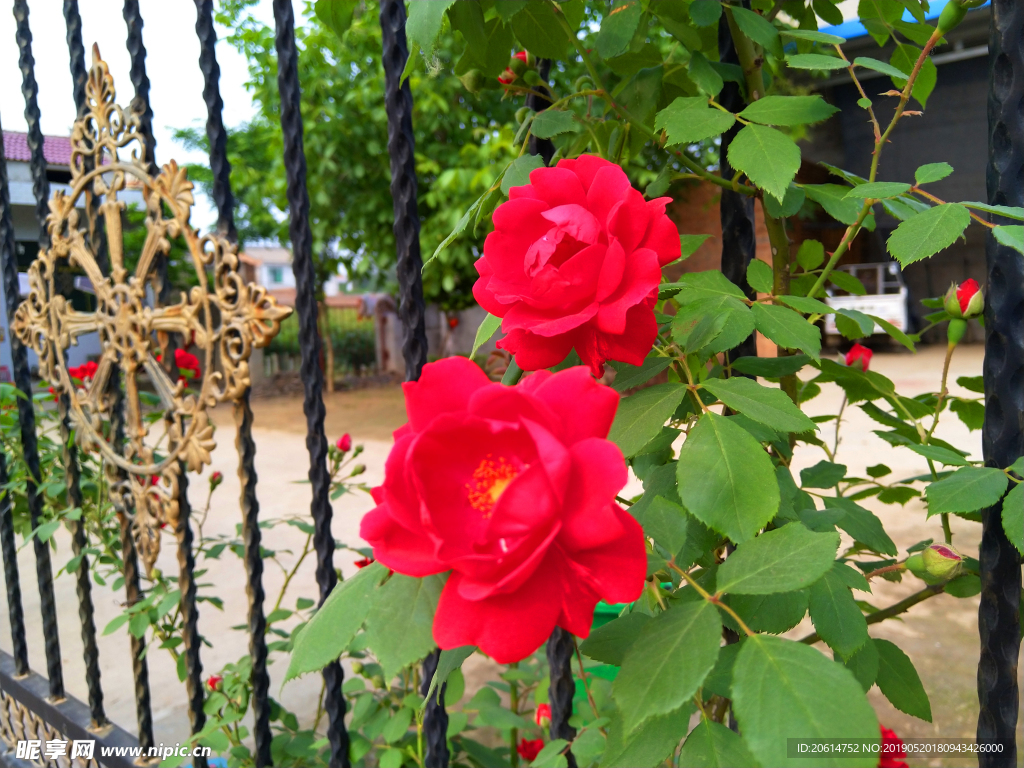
<point x="225" y="321"/>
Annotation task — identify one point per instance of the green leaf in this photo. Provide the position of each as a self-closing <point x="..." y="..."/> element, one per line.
<point x="397" y="725"/>
<point x="518" y="173"/>
<point x="770" y="367"/>
<point x="854" y="324"/>
<point x="725" y="478"/>
<point x="998" y="210"/>
<point x="611" y="642"/>
<point x="689" y="119"/>
<point x="424" y="24"/>
<point x="712" y="745"/>
<point x="781" y="560"/>
<point x="806" y="305"/>
<point x="775" y="613"/>
<point x="666" y="523"/>
<point x="488" y="326"/>
<point x="704" y="75"/>
<point x="824" y="474"/>
<point x="768" y="405"/>
<point x="864" y="665"/>
<point x="650" y="744"/>
<point x="628" y="376"/>
<point x="758" y="29"/>
<point x="967" y="490"/>
<point x="618" y="27"/>
<point x="326" y="636"/>
<point x="880" y="66"/>
<point x="790" y="205"/>
<point x="928" y="233"/>
<point x="940" y="454"/>
<point x="813" y="36"/>
<point x="552" y="122"/>
<point x="932" y="172"/>
<point x="789" y="110"/>
<point x="899" y="681"/>
<point x="138" y="624"/>
<point x="641" y="416"/>
<point x="537" y="28"/>
<point x="336" y="15"/>
<point x="781" y="687"/>
<point x="905" y="58"/>
<point x="727" y="322"/>
<point x="768" y="157"/>
<point x="689" y="244"/>
<point x="694" y="286"/>
<point x="704" y="13"/>
<point x="835" y="614"/>
<point x="878" y="190"/>
<point x="815" y="61"/>
<point x="787" y="329"/>
<point x="862" y="525"/>
<point x="759" y="276"/>
<point x="116" y="623"/>
<point x="847" y="282"/>
<point x="672" y="655"/>
<point x="409" y="603"/>
<point x="894" y="332"/>
<point x="1012" y="237"/>
<point x="1013" y="516"/>
<point x="447" y="663"/>
<point x="832" y="197"/>
<point x="970" y="412"/>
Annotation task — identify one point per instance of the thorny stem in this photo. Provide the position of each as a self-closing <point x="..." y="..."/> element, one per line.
<point x="586" y="685"/>
<point x="291" y="574"/>
<point x="839" y="421"/>
<point x="513" y="701"/>
<point x="895" y="609"/>
<point x="885" y="569"/>
<point x="711" y="598"/>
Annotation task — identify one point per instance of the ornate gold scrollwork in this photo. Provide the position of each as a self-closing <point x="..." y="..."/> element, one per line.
<point x="223" y="316"/>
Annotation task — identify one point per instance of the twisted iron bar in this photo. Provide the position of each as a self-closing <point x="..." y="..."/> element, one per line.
<point x="140" y="80"/>
<point x="1003" y="430"/>
<point x="7" y="541"/>
<point x="435" y="718"/>
<point x="560" y="649"/>
<point x="22" y="379"/>
<point x="310" y="344"/>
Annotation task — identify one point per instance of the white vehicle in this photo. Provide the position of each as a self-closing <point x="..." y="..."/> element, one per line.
<point x="886" y="296"/>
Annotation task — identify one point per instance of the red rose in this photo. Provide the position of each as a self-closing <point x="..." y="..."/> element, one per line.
<point x="509" y="76"/>
<point x="965" y="301"/>
<point x="859" y="355"/>
<point x="892" y="751"/>
<point x="543" y="715"/>
<point x="216" y="479"/>
<point x="213" y="682"/>
<point x="575" y="260"/>
<point x="344" y="443"/>
<point x="512" y="489"/>
<point x="186" y="361"/>
<point x="363" y="562"/>
<point x="528" y="749"/>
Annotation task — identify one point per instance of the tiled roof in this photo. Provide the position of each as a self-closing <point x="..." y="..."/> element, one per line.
<point x="56" y="149"/>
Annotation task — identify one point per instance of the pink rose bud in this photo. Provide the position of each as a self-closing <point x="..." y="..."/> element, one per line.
<point x="936" y="564"/>
<point x="860" y="356"/>
<point x="344" y="443"/>
<point x="964" y="301"/>
<point x="216" y="479"/>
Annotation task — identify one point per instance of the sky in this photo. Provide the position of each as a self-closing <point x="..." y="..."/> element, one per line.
<point x="172" y="63"/>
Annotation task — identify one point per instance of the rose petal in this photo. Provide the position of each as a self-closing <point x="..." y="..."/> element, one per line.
<point x="585" y="408"/>
<point x="557" y="186"/>
<point x="443" y="387"/>
<point x="533" y="352"/>
<point x="598" y="472"/>
<point x="408" y="552"/>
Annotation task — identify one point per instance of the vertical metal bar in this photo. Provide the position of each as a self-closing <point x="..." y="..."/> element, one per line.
<point x="411" y="310"/>
<point x="140" y="80"/>
<point x="7" y="541"/>
<point x="310" y="345"/>
<point x="560" y="649"/>
<point x="26" y="414"/>
<point x="1003" y="431"/>
<point x="79" y="541"/>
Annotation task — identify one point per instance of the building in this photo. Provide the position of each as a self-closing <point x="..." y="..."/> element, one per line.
<point x="271" y="266"/>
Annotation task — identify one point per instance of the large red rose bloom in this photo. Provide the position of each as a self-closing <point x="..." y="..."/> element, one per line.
<point x="512" y="489"/>
<point x="575" y="260"/>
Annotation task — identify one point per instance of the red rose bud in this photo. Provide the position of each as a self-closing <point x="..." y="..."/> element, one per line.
<point x="344" y="443"/>
<point x="964" y="301"/>
<point x="528" y="749"/>
<point x="213" y="682"/>
<point x="860" y="356"/>
<point x="453" y="322"/>
<point x="216" y="479"/>
<point x="543" y="715"/>
<point x="516" y="67"/>
<point x="892" y="751"/>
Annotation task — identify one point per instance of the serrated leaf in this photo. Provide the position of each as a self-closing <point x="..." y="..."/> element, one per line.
<point x="536" y="26"/>
<point x="790" y="205"/>
<point x="694" y="286"/>
<point x="940" y="454"/>
<point x="628" y="376"/>
<point x="336" y="15"/>
<point x="932" y="172"/>
<point x="1012" y="237"/>
<point x="880" y="66"/>
<point x="854" y="324"/>
<point x="650" y="744"/>
<point x="781" y="560"/>
<point x="905" y="58"/>
<point x="688" y="244"/>
<point x="689" y="119"/>
<point x="768" y="405"/>
<point x="847" y="282"/>
<point x="966" y="490"/>
<point x="1013" y="516"/>
<point x="704" y="75"/>
<point x="999" y="210"/>
<point x="835" y="615"/>
<point x="771" y="367"/>
<point x="611" y="642"/>
<point x="811" y="254"/>
<point x="617" y="28"/>
<point x="727" y="323"/>
<point x="813" y="36"/>
<point x="704" y="13"/>
<point x="641" y="416"/>
<point x="758" y="29"/>
<point x="970" y="412"/>
<point x="666" y="523"/>
<point x="712" y="745"/>
<point x="768" y="157"/>
<point x="928" y="233"/>
<point x="864" y="665"/>
<point x="894" y="332"/>
<point x="832" y="197"/>
<point x="862" y="525"/>
<point x="552" y="122"/>
<point x="326" y="636"/>
<point x="775" y="613"/>
<point x="824" y="474"/>
<point x="815" y="61"/>
<point x="788" y="110"/>
<point x="518" y="173"/>
<point x="424" y="24"/>
<point x="409" y="603"/>
<point x="759" y="276"/>
<point x="899" y="681"/>
<point x="783" y="687"/>
<point x="806" y="305"/>
<point x="671" y="657"/>
<point x="488" y="326"/>
<point x="878" y="190"/>
<point x="725" y="478"/>
<point x="787" y="329"/>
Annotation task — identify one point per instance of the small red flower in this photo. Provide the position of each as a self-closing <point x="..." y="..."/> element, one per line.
<point x="543" y="715"/>
<point x="344" y="443"/>
<point x="187" y="363"/>
<point x="509" y="76"/>
<point x="966" y="292"/>
<point x="216" y="479"/>
<point x="859" y="355"/>
<point x="213" y="682"/>
<point x="528" y="749"/>
<point x="453" y="322"/>
<point x="964" y="301"/>
<point x="363" y="562"/>
<point x="53" y="393"/>
<point x="892" y="751"/>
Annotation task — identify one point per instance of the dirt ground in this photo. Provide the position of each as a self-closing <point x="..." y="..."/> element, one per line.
<point x="940" y="635"/>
